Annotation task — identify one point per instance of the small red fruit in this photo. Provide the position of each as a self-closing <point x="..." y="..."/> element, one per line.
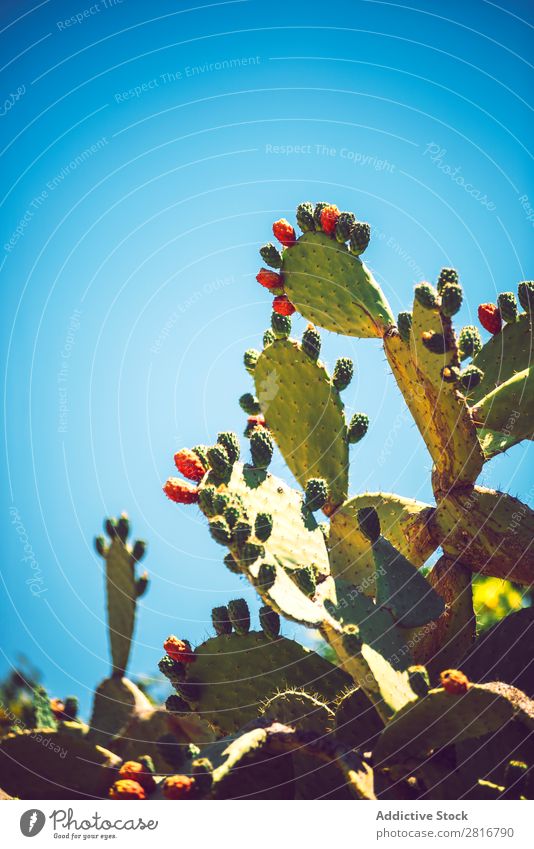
<point x="179" y="650"/>
<point x="134" y="771"/>
<point x="178" y="787"/>
<point x="490" y="318"/>
<point x="453" y="681"/>
<point x="180" y="492"/>
<point x="329" y="217"/>
<point x="283" y="306"/>
<point x="126" y="789"/>
<point x="189" y="464"/>
<point x="284" y="232"/>
<point x="269" y="279"/>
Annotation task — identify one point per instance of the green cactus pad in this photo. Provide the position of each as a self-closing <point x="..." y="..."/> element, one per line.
<point x="509" y="408"/>
<point x="305" y="414"/>
<point x="402" y="589"/>
<point x="296" y="540"/>
<point x="505" y="354"/>
<point x="439" y="409"/>
<point x="332" y="288"/>
<point x="489" y="532"/>
<point x="47" y="764"/>
<point x="122" y="592"/>
<point x="441" y="718"/>
<point x="234" y="674"/>
<point x="403" y="521"/>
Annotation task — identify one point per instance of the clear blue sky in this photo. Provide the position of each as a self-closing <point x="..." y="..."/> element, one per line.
<point x="146" y="151"/>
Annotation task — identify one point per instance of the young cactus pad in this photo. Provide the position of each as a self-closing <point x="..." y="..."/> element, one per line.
<point x="333" y="288"/>
<point x="305" y="414"/>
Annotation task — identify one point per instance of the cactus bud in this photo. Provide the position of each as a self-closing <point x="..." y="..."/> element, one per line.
<point x="261" y="448"/>
<point x="110" y="526"/>
<point x="282" y="305"/>
<point x="178" y="787"/>
<point x="239" y="616"/>
<point x="242" y="532"/>
<point x="220" y="531"/>
<point x="316" y="494"/>
<point x="175" y="704"/>
<point x="254" y="422"/>
<point x="219" y="460"/>
<point x="249" y="404"/>
<point x="100" y="545"/>
<point x="123" y="527"/>
<point x="270" y="280"/>
<point x="180" y="492"/>
<point x="271" y="255"/>
<point x="358" y="427"/>
<point x="470" y="377"/>
<point x="451" y="299"/>
<point x="250" y="358"/>
<point x="404" y="324"/>
<point x="345" y="223"/>
<point x="270" y="622"/>
<point x="369" y="523"/>
<point x="447" y="275"/>
<point x="311" y="342"/>
<point x="139" y="549"/>
<point x="172" y="670"/>
<point x="281" y="325"/>
<point x="228" y="439"/>
<point x="436" y="343"/>
<point x="419" y="680"/>
<point x="329" y="218"/>
<point x="317" y="213"/>
<point x="206" y="502"/>
<point x="221" y="620"/>
<point x="263" y="526"/>
<point x="305" y="580"/>
<point x="232" y="514"/>
<point x="450" y="374"/>
<point x="453" y="681"/>
<point x="268" y="337"/>
<point x="360" y="236"/>
<point x="71" y="707"/>
<point x="305" y="216"/>
<point x="189" y="464"/>
<point x="250" y="552"/>
<point x="490" y="318"/>
<point x="343" y="371"/>
<point x="141" y="585"/>
<point x="525" y="293"/>
<point x="179" y="650"/>
<point x="266" y="576"/>
<point x="231" y="563"/>
<point x="469" y="342"/>
<point x="284" y="232"/>
<point x="426" y="295"/>
<point x="507" y="306"/>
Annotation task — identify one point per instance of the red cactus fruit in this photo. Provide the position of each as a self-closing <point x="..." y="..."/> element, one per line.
<point x="58" y="708"/>
<point x="329" y="217"/>
<point x="490" y="318"/>
<point x="284" y="232"/>
<point x="283" y="306"/>
<point x="179" y="650"/>
<point x="453" y="681"/>
<point x="269" y="279"/>
<point x="136" y="772"/>
<point x="178" y="787"/>
<point x="126" y="789"/>
<point x="190" y="465"/>
<point x="180" y="492"/>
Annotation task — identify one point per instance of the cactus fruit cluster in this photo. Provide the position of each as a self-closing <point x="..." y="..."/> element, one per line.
<point x="410" y="702"/>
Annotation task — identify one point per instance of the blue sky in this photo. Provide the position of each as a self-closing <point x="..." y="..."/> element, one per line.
<point x="146" y="152"/>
